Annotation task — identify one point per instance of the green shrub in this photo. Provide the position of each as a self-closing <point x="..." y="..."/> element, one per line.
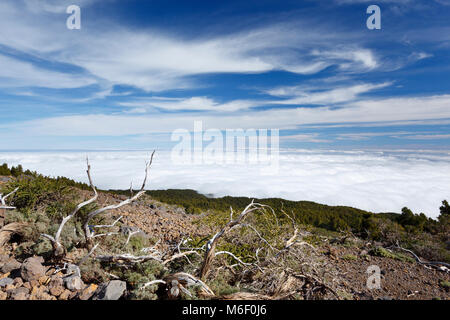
<point x="382" y="252"/>
<point x="221" y="286"/>
<point x="350" y="257"/>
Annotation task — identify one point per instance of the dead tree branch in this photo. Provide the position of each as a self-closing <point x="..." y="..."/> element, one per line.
<point x="234" y="257"/>
<point x="180" y="255"/>
<point x="87" y="228"/>
<point x="3" y="199"/>
<point x="129" y="258"/>
<point x="108" y="225"/>
<point x="88" y="255"/>
<point x="179" y="281"/>
<point x="416" y="257"/>
<point x="59" y="251"/>
<point x="151" y="282"/>
<point x="211" y="244"/>
<point x="9" y="230"/>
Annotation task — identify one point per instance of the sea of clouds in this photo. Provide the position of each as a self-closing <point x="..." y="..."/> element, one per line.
<point x="372" y="180"/>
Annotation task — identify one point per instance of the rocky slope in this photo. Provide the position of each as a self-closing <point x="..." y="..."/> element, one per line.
<point x="328" y="267"/>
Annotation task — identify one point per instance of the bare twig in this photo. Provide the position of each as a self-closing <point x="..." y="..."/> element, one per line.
<point x="427" y="263"/>
<point x="180" y="280"/>
<point x="150" y="283"/>
<point x="93" y="214"/>
<point x="128" y="258"/>
<point x="59" y="250"/>
<point x="211" y="244"/>
<point x="180" y="255"/>
<point x="3" y="199"/>
<point x="107" y="225"/>
<point x="87" y="256"/>
<point x="232" y="255"/>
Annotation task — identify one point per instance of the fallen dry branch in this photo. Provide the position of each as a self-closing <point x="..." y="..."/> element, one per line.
<point x="234" y="257"/>
<point x="88" y="255"/>
<point x="180" y="281"/>
<point x="130" y="234"/>
<point x="88" y="229"/>
<point x="9" y="230"/>
<point x="59" y="251"/>
<point x="128" y="258"/>
<point x="108" y="225"/>
<point x="245" y="296"/>
<point x="416" y="257"/>
<point x="151" y="283"/>
<point x="211" y="244"/>
<point x="152" y="249"/>
<point x="180" y="255"/>
<point x="3" y="199"/>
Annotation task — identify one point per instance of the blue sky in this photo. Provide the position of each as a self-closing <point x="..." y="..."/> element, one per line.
<point x="137" y="70"/>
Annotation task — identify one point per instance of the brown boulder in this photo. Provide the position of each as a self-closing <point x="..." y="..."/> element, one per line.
<point x="32" y="269"/>
<point x="19" y="294"/>
<point x="40" y="293"/>
<point x="73" y="283"/>
<point x="65" y="295"/>
<point x="88" y="292"/>
<point x="10" y="265"/>
<point x="56" y="286"/>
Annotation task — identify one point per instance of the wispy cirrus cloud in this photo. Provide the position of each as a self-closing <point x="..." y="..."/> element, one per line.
<point x="17" y="73"/>
<point x="314" y="95"/>
<point x="153" y="60"/>
<point x="428" y="136"/>
<point x="360" y="112"/>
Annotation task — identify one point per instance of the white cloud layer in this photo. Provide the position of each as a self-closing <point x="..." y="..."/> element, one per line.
<point x="375" y="181"/>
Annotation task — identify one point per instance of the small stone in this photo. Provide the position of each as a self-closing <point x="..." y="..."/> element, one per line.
<point x="19" y="294"/>
<point x="3" y="295"/>
<point x="34" y="283"/>
<point x="10" y="265"/>
<point x="88" y="292"/>
<point x="27" y="285"/>
<point x="65" y="295"/>
<point x="5" y="282"/>
<point x="364" y="252"/>
<point x="18" y="282"/>
<point x="43" y="280"/>
<point x="73" y="269"/>
<point x="50" y="272"/>
<point x="56" y="291"/>
<point x="3" y="258"/>
<point x="56" y="286"/>
<point x="32" y="269"/>
<point x="73" y="282"/>
<point x="112" y="290"/>
<point x="73" y="295"/>
<point x="39" y="293"/>
<point x="34" y="290"/>
<point x="10" y="286"/>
